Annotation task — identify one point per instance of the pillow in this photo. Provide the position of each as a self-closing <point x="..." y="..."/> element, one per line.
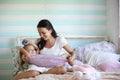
<point x="16" y="60"/>
<point x="15" y="50"/>
<point x="100" y="46"/>
<point x="103" y="61"/>
<point x="47" y="60"/>
<point x="79" y="52"/>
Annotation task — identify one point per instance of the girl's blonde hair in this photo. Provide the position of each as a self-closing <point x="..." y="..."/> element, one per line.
<point x="21" y="65"/>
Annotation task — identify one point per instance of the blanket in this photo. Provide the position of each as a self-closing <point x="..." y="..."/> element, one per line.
<point x="72" y="76"/>
<point x="97" y="58"/>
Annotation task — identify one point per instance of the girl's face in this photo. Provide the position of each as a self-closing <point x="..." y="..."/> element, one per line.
<point x="25" y="58"/>
<point x="30" y="49"/>
<point x="44" y="33"/>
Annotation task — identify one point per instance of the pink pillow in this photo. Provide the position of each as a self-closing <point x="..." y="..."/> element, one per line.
<point x="84" y="68"/>
<point x="47" y="60"/>
<point x="110" y="65"/>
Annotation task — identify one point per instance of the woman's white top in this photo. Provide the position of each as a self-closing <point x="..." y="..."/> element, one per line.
<point x="57" y="48"/>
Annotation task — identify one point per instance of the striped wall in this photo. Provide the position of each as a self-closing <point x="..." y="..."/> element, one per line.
<point x="20" y="17"/>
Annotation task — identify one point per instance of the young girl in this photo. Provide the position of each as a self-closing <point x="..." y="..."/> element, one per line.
<point x="25" y="56"/>
<point x="40" y="62"/>
<point x="31" y="56"/>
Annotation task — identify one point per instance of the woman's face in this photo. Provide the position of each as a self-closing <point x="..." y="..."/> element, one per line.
<point x="44" y="33"/>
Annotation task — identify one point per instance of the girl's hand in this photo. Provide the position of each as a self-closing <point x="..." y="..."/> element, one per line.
<point x="25" y="42"/>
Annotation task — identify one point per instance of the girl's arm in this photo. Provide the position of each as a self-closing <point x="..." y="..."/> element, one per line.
<point x="26" y="54"/>
<point x="26" y="74"/>
<point x="36" y="47"/>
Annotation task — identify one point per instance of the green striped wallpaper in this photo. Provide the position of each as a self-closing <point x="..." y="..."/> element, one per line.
<point x="98" y="2"/>
<point x="20" y="17"/>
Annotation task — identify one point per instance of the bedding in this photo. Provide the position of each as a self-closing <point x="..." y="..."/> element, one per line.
<point x="16" y="59"/>
<point x="67" y="76"/>
<point x="78" y="76"/>
<point x="15" y="51"/>
<point x="97" y="54"/>
<point x="47" y="60"/>
<point x="103" y="46"/>
<point x="105" y="61"/>
<point x="97" y="46"/>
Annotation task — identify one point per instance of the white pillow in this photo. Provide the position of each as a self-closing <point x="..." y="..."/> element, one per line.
<point x="100" y="46"/>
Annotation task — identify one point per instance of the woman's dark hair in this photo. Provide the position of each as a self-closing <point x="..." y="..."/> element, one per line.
<point x="45" y="24"/>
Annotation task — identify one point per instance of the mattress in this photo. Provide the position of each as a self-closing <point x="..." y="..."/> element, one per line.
<point x="73" y="76"/>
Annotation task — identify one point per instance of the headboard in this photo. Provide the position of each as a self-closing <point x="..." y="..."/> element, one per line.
<point x="19" y="39"/>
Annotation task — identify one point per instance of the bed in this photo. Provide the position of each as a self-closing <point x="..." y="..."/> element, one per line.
<point x="101" y="45"/>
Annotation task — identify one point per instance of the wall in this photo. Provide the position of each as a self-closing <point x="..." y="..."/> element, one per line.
<point x="113" y="21"/>
<point x="20" y="17"/>
<point x="119" y="30"/>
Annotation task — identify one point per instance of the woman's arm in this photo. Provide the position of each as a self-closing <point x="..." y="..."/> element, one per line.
<point x="70" y="51"/>
<point x="72" y="55"/>
<point x="26" y="74"/>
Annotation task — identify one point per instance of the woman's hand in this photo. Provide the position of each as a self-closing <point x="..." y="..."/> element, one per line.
<point x="71" y="56"/>
<point x="70" y="60"/>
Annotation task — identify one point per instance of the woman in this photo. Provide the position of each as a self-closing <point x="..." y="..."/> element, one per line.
<point x="50" y="44"/>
